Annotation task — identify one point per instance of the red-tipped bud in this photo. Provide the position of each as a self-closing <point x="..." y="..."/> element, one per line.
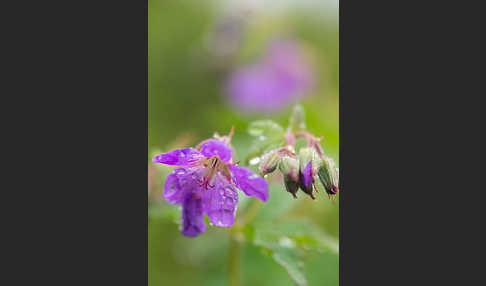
<point x="329" y="176"/>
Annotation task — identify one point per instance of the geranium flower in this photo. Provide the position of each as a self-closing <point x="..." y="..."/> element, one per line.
<point x="282" y="76"/>
<point x="206" y="182"/>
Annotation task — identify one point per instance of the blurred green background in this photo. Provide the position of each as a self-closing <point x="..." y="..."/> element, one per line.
<point x="187" y="71"/>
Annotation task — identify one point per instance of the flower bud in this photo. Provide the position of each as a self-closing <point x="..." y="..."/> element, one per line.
<point x="329" y="176"/>
<point x="309" y="165"/>
<point x="269" y="162"/>
<point x="291" y="186"/>
<point x="297" y="119"/>
<point x="306" y="155"/>
<point x="309" y="190"/>
<point x="290" y="169"/>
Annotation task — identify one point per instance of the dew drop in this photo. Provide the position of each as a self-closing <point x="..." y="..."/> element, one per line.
<point x="286" y="242"/>
<point x="255" y="161"/>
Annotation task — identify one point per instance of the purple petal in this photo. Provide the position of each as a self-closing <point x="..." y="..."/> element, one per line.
<point x="179" y="157"/>
<point x="250" y="183"/>
<point x="220" y="203"/>
<point x="181" y="182"/>
<point x="288" y="59"/>
<point x="190" y="179"/>
<point x="307" y="177"/>
<point x="257" y="88"/>
<point x="192" y="216"/>
<point x="214" y="147"/>
<point x="173" y="191"/>
<point x="279" y="78"/>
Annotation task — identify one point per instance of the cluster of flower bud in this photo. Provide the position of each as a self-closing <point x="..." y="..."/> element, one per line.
<point x="301" y="171"/>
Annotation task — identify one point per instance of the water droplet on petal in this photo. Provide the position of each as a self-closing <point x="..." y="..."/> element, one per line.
<point x="228" y="201"/>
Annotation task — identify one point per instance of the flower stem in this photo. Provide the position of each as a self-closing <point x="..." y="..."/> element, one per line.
<point x="236" y="239"/>
<point x="234" y="262"/>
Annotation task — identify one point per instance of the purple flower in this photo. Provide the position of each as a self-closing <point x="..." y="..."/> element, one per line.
<point x="206" y="182"/>
<point x="280" y="78"/>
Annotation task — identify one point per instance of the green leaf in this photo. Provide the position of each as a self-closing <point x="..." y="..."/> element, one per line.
<point x="288" y="242"/>
<point x="268" y="135"/>
<point x="265" y="128"/>
<point x="307" y="235"/>
<point x="278" y="205"/>
<point x="284" y="253"/>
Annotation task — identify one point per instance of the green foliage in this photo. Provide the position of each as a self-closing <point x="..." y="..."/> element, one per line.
<point x="279" y="204"/>
<point x="307" y="235"/>
<point x="287" y="243"/>
<point x="287" y="256"/>
<point x="268" y="135"/>
<point x="160" y="212"/>
<point x="265" y="128"/>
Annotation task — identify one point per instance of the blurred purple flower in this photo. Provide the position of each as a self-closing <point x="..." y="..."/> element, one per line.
<point x="205" y="183"/>
<point x="281" y="77"/>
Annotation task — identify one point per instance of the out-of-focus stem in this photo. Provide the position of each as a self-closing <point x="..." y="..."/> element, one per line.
<point x="236" y="240"/>
<point x="234" y="262"/>
<point x="312" y="141"/>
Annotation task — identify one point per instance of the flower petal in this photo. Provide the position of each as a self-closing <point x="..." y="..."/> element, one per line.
<point x="180" y="182"/>
<point x="173" y="191"/>
<point x="192" y="216"/>
<point x="220" y="202"/>
<point x="257" y="89"/>
<point x="307" y="177"/>
<point x="179" y="157"/>
<point x="214" y="147"/>
<point x="250" y="183"/>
